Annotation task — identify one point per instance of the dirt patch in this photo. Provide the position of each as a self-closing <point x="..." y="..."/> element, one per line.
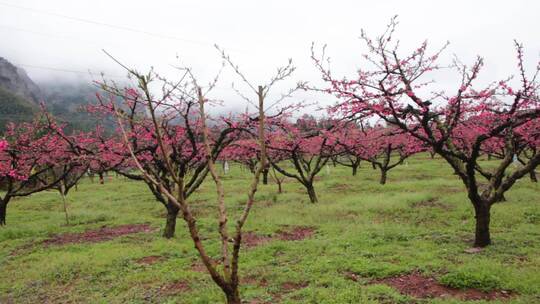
<point x="519" y="259"/>
<point x="349" y="275"/>
<point x="418" y="286"/>
<point x="292" y="286"/>
<point x="150" y="260"/>
<point x="340" y="187"/>
<point x="473" y="250"/>
<point x="174" y="288"/>
<point x="253" y="280"/>
<point x="296" y="234"/>
<point x="268" y="203"/>
<point x="99" y="235"/>
<point x="198" y="267"/>
<point x="450" y="190"/>
<point x="24" y="249"/>
<point x="252" y="239"/>
<point x="259" y="301"/>
<point x="430" y="203"/>
<point x="347" y="214"/>
<point x="286" y="288"/>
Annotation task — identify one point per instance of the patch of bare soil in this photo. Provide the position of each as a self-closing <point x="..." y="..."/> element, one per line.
<point x="298" y="233"/>
<point x="174" y="288"/>
<point x="24" y="249"/>
<point x="252" y="239"/>
<point x="198" y="267"/>
<point x="450" y="190"/>
<point x="292" y="286"/>
<point x="150" y="260"/>
<point x="99" y="235"/>
<point x="266" y="203"/>
<point x="286" y="288"/>
<point x="259" y="301"/>
<point x="253" y="280"/>
<point x="352" y="276"/>
<point x="347" y="214"/>
<point x="430" y="203"/>
<point x="473" y="250"/>
<point x="418" y="286"/>
<point x="341" y="187"/>
<point x="276" y="297"/>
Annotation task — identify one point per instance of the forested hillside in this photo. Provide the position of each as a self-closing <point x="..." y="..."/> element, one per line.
<point x="14" y="108"/>
<point x="20" y="99"/>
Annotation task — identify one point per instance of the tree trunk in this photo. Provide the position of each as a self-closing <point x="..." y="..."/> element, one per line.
<point x="482" y="235"/>
<point x="101" y="180"/>
<point x="62" y="190"/>
<point x="373" y="166"/>
<point x="265" y="176"/>
<point x="170" y="225"/>
<point x="354" y="169"/>
<point x="382" y="181"/>
<point x="3" y="209"/>
<point x="279" y="187"/>
<point x="532" y="174"/>
<point x="312" y="195"/>
<point x="233" y="296"/>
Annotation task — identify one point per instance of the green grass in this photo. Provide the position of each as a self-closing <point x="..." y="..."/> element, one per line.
<point x="420" y="220"/>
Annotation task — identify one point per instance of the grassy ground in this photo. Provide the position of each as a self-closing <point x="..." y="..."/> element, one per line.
<point x="420" y="221"/>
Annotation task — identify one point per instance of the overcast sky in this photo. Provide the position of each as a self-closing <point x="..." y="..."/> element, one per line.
<point x="258" y="35"/>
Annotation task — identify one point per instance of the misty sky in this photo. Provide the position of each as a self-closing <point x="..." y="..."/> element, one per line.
<point x="258" y="35"/>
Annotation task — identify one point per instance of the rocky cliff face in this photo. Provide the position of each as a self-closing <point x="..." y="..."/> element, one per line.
<point x="16" y="81"/>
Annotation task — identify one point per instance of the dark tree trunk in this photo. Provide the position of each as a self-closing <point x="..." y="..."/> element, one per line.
<point x="532" y="175"/>
<point x="354" y="169"/>
<point x="265" y="176"/>
<point x="382" y="181"/>
<point x="170" y="225"/>
<point x="279" y="189"/>
<point x="311" y="192"/>
<point x="482" y="236"/>
<point x="373" y="166"/>
<point x="3" y="209"/>
<point x="101" y="180"/>
<point x="233" y="296"/>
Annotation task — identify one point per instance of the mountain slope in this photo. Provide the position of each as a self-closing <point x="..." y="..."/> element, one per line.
<point x="19" y="95"/>
<point x="16" y="81"/>
<point x="14" y="109"/>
